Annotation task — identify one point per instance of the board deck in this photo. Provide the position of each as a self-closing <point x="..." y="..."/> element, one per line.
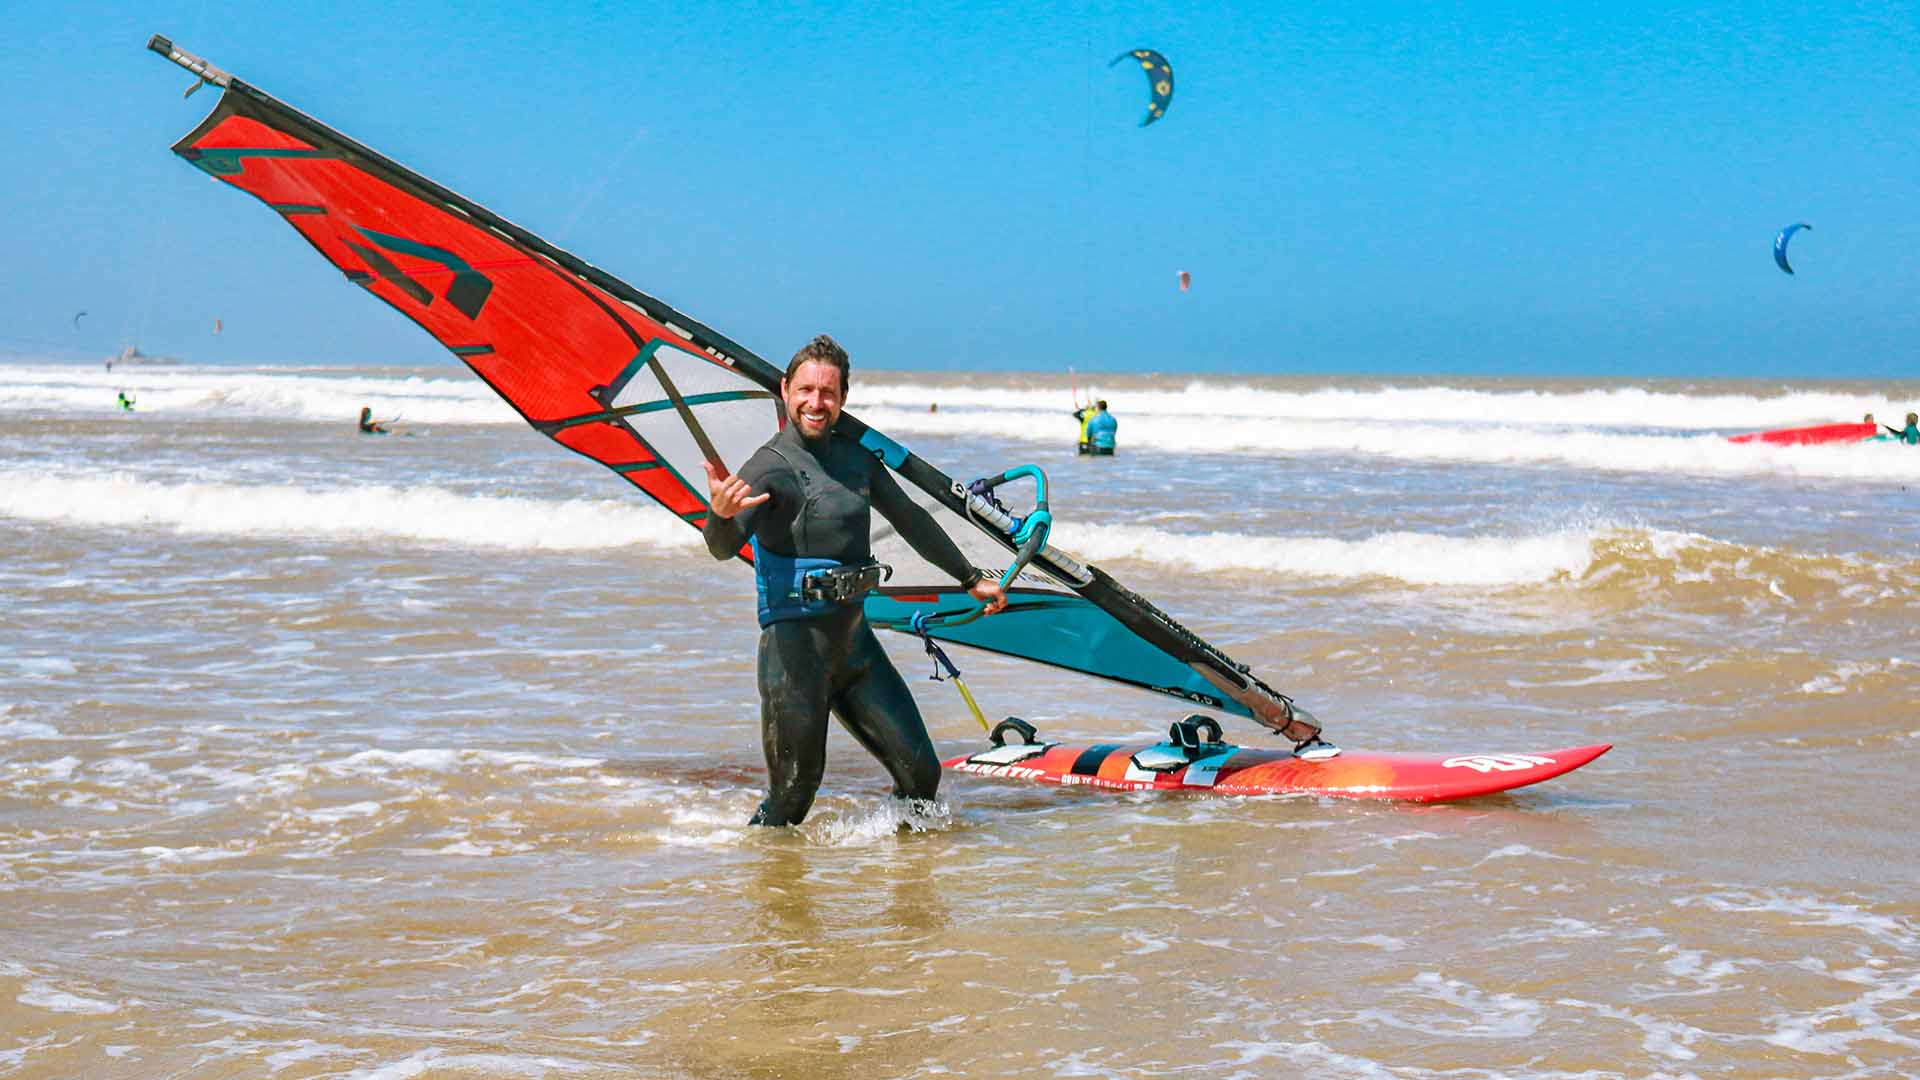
<point x="1237" y="770"/>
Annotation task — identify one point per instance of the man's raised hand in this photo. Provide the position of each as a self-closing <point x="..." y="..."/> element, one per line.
<point x="730" y="494"/>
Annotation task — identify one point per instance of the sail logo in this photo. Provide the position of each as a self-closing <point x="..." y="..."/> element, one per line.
<point x="1486" y="763"/>
<point x="467" y="288"/>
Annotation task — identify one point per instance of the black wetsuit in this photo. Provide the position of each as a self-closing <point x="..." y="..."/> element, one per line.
<point x="823" y="495"/>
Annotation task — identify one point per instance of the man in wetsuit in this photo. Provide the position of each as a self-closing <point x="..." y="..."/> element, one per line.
<point x="805" y="502"/>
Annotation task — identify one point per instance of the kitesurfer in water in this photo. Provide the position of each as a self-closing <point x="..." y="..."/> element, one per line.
<point x="1097" y="427"/>
<point x="126" y="403"/>
<point x="805" y="502"/>
<point x="368" y="425"/>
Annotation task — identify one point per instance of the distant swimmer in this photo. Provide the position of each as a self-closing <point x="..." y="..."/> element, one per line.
<point x="1097" y="430"/>
<point x="370" y="426"/>
<point x="933" y="408"/>
<point x="1867" y="419"/>
<point x="1910" y="434"/>
<point x="126" y="403"/>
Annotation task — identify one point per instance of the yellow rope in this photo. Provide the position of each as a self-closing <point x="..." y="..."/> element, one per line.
<point x="971" y="704"/>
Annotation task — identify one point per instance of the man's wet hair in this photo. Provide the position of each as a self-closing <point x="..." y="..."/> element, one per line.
<point x="823" y="350"/>
<point x="1103" y="403"/>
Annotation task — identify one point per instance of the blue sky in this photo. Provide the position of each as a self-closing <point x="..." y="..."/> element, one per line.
<point x="1355" y="187"/>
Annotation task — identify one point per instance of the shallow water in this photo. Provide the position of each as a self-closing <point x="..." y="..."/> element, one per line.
<point x="429" y="755"/>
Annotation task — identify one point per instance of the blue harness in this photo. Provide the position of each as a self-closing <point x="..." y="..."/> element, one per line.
<point x="801" y="587"/>
<point x="781" y="581"/>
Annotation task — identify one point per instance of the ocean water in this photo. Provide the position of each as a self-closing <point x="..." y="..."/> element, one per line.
<point x="324" y="755"/>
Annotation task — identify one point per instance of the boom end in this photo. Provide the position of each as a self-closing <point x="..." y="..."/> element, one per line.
<point x="206" y="72"/>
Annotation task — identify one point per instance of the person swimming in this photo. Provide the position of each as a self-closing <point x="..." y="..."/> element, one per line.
<point x="370" y="426"/>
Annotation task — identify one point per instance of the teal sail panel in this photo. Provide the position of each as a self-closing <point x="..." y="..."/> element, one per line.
<point x="1058" y="629"/>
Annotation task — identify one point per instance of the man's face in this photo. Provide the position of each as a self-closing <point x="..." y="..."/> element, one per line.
<point x="814" y="397"/>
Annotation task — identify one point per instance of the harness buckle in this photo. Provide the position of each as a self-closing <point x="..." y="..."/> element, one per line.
<point x="843" y="584"/>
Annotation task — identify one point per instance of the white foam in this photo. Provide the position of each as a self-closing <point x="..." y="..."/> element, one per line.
<point x="434" y="1061"/>
<point x="1626" y="407"/>
<point x="37" y="667"/>
<point x="124" y="501"/>
<point x="1845" y="672"/>
<point x="45" y="996"/>
<point x="1415" y="558"/>
<point x="883" y="820"/>
<point x="333" y="815"/>
<point x="1667" y="1038"/>
<point x="18" y="730"/>
<point x="1481" y="444"/>
<point x="1821" y="1032"/>
<point x="1519" y="851"/>
<point x="256" y="393"/>
<point x="1809" y="911"/>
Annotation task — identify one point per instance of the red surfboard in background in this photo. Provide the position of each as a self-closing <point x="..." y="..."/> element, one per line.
<point x="1811" y="436"/>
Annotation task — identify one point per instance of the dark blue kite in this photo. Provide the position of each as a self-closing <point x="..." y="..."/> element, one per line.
<point x="1780" y="244"/>
<point x="1159" y="81"/>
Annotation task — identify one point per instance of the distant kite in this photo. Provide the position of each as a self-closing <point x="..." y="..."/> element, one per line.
<point x="1159" y="81"/>
<point x="1780" y="244"/>
<point x="77" y="318"/>
<point x="216" y="326"/>
<point x="1186" y="279"/>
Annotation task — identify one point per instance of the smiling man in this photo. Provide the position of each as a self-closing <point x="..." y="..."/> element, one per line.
<point x="805" y="501"/>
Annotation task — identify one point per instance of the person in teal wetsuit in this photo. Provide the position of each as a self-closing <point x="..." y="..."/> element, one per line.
<point x="1100" y="431"/>
<point x="1910" y="434"/>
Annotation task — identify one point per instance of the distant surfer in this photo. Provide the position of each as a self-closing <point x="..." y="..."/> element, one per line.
<point x="805" y="502"/>
<point x="1909" y="434"/>
<point x="126" y="403"/>
<point x="1097" y="428"/>
<point x="370" y="426"/>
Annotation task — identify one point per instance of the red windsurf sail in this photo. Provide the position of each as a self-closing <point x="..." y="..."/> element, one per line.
<point x="612" y="373"/>
<point x="597" y="366"/>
